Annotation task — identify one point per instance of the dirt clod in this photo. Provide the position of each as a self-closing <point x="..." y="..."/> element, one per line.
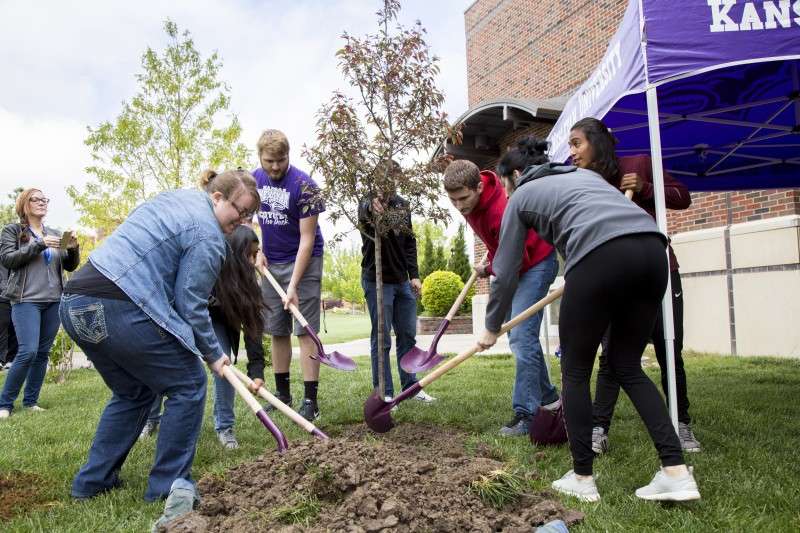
<point x="416" y="478"/>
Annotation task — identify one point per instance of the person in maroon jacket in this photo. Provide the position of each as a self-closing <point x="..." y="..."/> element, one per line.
<point x="480" y="197"/>
<point x="592" y="146"/>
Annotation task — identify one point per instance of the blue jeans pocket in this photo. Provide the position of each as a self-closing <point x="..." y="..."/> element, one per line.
<point x="89" y="322"/>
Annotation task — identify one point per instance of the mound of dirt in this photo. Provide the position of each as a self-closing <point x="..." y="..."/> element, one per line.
<point x="414" y="479"/>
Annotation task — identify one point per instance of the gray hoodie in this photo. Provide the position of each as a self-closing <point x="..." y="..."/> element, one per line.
<point x="573" y="209"/>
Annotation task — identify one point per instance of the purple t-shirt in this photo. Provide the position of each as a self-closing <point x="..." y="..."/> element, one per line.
<point x="283" y="204"/>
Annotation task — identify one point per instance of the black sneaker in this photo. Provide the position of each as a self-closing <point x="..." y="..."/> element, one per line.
<point x="285" y="399"/>
<point x="309" y="410"/>
<point x="517" y="427"/>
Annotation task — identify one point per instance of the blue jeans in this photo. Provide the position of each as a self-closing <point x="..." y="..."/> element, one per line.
<point x="224" y="392"/>
<point x="137" y="360"/>
<point x="400" y="313"/>
<point x="36" y="325"/>
<point x="532" y="387"/>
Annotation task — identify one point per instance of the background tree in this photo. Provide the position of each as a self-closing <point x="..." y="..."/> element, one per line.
<point x="430" y="238"/>
<point x="341" y="277"/>
<point x="459" y="259"/>
<point x="172" y="129"/>
<point x="396" y="116"/>
<point x="7" y="211"/>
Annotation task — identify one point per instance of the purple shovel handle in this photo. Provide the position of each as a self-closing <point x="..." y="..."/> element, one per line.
<point x="270" y="425"/>
<point x="438" y="335"/>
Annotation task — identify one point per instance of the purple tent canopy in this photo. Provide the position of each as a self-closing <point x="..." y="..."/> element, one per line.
<point x="713" y="86"/>
<point x="728" y="79"/>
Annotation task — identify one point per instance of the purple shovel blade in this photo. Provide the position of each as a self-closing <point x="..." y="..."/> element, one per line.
<point x="270" y="425"/>
<point x="416" y="360"/>
<point x="334" y="359"/>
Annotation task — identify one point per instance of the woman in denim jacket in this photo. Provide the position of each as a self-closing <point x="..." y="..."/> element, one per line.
<point x="36" y="261"/>
<point x="139" y="310"/>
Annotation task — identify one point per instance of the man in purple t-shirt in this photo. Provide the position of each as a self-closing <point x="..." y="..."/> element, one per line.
<point x="292" y="244"/>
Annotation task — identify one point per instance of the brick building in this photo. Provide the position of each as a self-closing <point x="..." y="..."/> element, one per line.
<point x="524" y="59"/>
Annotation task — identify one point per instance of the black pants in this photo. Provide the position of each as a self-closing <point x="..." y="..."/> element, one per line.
<point x="607" y="390"/>
<point x="617" y="287"/>
<point x="8" y="339"/>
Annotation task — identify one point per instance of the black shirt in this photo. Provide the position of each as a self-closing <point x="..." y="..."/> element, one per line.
<point x="398" y="247"/>
<point x="89" y="281"/>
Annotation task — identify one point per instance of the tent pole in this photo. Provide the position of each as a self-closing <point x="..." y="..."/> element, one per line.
<point x="661" y="220"/>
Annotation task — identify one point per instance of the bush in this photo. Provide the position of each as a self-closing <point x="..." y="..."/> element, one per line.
<point x="266" y="343"/>
<point x="61" y="357"/>
<point x="440" y="289"/>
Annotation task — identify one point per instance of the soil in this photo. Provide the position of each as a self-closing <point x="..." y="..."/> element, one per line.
<point x="415" y="478"/>
<point x="19" y="492"/>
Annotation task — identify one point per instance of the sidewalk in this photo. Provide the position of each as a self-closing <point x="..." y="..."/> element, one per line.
<point x="448" y="344"/>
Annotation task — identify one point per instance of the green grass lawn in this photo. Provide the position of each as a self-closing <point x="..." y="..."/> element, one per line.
<point x="342" y="327"/>
<point x="744" y="409"/>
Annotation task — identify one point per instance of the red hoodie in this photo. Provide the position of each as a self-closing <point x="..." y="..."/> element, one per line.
<point x="485" y="221"/>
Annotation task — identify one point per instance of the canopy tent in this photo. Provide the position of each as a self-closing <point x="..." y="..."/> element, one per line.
<point x="710" y="88"/>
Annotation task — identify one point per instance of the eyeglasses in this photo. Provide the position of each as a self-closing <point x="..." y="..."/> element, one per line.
<point x="244" y="213"/>
<point x="43" y="201"/>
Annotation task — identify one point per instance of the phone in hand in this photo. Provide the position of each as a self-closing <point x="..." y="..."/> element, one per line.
<point x="66" y="237"/>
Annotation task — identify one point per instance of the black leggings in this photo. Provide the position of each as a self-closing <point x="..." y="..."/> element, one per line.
<point x="607" y="389"/>
<point x="618" y="287"/>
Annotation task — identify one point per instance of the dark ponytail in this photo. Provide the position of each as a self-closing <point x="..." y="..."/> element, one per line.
<point x="529" y="151"/>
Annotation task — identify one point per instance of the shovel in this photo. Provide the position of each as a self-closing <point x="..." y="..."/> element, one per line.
<point x="417" y="360"/>
<point x="334" y="359"/>
<point x="280" y="406"/>
<point x="377" y="412"/>
<point x="251" y="402"/>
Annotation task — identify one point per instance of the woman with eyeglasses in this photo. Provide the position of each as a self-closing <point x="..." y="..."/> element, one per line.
<point x="139" y="311"/>
<point x="33" y="254"/>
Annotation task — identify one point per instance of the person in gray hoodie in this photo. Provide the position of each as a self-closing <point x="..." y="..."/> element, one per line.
<point x="615" y="276"/>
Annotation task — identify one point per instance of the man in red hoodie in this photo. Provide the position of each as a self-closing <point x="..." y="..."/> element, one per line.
<point x="480" y="197"/>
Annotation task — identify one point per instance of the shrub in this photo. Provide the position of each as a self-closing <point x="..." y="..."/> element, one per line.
<point x="439" y="290"/>
<point x="61" y="357"/>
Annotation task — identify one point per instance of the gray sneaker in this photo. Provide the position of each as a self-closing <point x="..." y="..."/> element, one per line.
<point x="182" y="499"/>
<point x="599" y="441"/>
<point x="227" y="439"/>
<point x="668" y="488"/>
<point x="517" y="427"/>
<point x="689" y="442"/>
<point x="150" y="428"/>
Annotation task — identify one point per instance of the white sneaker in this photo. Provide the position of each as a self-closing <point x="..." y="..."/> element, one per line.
<point x="668" y="488"/>
<point x="36" y="409"/>
<point x="424" y="397"/>
<point x="5" y="413"/>
<point x="552" y="406"/>
<point x="583" y="489"/>
<point x="388" y="399"/>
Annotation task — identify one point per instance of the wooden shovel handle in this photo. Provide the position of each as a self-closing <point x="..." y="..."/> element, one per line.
<point x="463" y="356"/>
<point x="460" y="300"/>
<point x="279" y="405"/>
<point x="230" y="374"/>
<point x="629" y="194"/>
<point x="275" y="285"/>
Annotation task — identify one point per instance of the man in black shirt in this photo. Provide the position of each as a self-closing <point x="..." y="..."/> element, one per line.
<point x="401" y="285"/>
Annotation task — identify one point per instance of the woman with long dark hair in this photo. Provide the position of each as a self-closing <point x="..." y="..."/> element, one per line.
<point x="36" y="260"/>
<point x="592" y="147"/>
<point x="236" y="305"/>
<point x="615" y="276"/>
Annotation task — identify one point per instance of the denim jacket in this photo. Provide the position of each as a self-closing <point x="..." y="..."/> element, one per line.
<point x="166" y="257"/>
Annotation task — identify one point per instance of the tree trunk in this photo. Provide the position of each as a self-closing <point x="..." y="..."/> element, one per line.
<point x="379" y="318"/>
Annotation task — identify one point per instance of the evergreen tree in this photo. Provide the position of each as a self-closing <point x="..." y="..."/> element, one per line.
<point x="459" y="259"/>
<point x="427" y="265"/>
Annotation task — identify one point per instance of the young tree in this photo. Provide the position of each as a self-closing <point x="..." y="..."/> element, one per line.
<point x="459" y="259"/>
<point x="341" y="276"/>
<point x="174" y="127"/>
<point x="396" y="116"/>
<point x="8" y="213"/>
